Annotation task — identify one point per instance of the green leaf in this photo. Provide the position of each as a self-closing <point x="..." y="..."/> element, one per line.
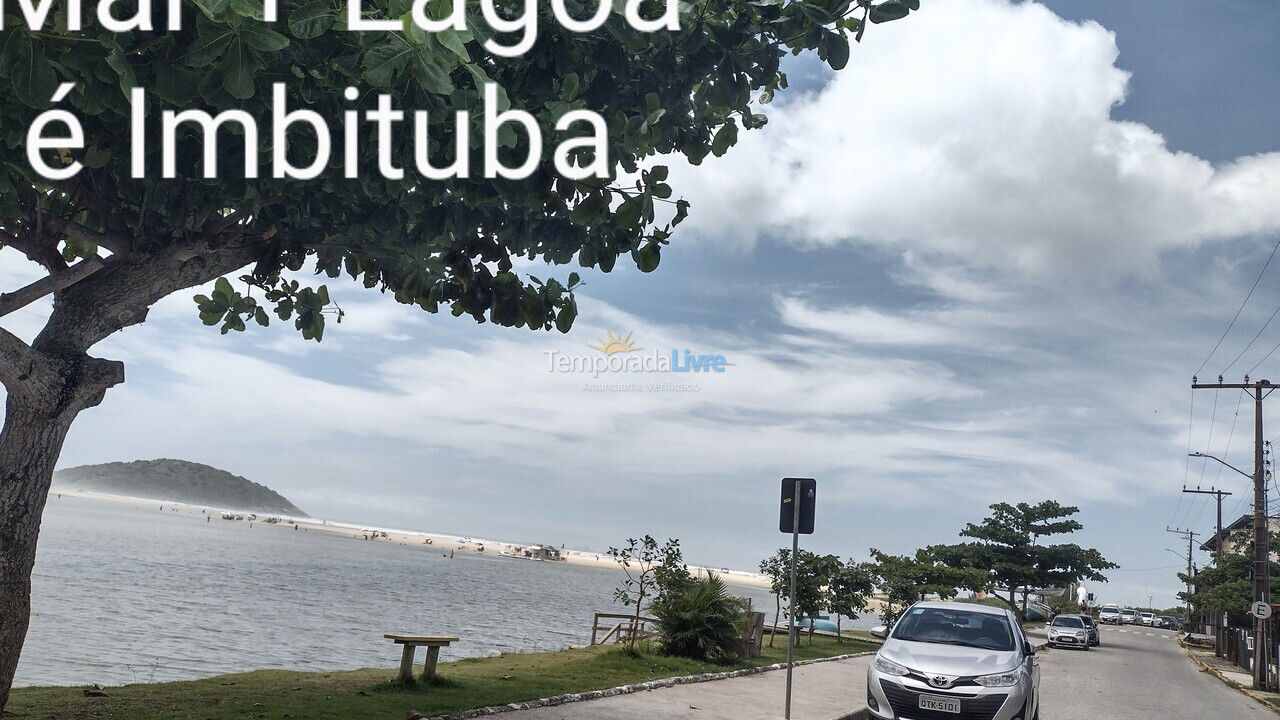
<point x="238" y="71"/>
<point x="430" y="74"/>
<point x="311" y="20"/>
<point x="34" y="81"/>
<point x="223" y="286"/>
<point x="211" y="41"/>
<point x="889" y="11"/>
<point x="569" y="87"/>
<point x="247" y="8"/>
<point x="212" y="9"/>
<point x="566" y="316"/>
<point x="382" y="63"/>
<point x="117" y="61"/>
<point x="648" y="257"/>
<point x="260" y="37"/>
<point x="725" y="138"/>
<point x="452" y="40"/>
<point x="837" y="50"/>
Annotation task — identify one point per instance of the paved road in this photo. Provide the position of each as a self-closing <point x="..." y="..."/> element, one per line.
<point x="1137" y="674"/>
<point x="822" y="691"/>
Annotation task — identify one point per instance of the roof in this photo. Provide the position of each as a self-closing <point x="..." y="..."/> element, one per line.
<point x="1244" y="522"/>
<point x="971" y="607"/>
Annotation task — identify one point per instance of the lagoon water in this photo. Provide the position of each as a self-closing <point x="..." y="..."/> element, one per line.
<point x="129" y="593"/>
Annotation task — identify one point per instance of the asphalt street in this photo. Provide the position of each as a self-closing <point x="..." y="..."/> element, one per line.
<point x="1137" y="674"/>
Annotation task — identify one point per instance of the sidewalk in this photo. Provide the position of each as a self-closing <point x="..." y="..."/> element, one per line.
<point x="822" y="691"/>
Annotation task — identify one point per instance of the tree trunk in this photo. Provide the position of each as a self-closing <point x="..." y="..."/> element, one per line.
<point x="777" y="615"/>
<point x="635" y="623"/>
<point x="38" y="414"/>
<point x="839" y="634"/>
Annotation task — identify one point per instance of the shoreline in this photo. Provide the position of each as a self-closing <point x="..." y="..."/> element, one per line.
<point x="409" y="538"/>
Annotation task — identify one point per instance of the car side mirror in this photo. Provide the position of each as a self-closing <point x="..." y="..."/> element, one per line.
<point x="1029" y="649"/>
<point x="880" y="631"/>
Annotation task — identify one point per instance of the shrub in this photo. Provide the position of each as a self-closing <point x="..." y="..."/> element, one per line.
<point x="701" y="620"/>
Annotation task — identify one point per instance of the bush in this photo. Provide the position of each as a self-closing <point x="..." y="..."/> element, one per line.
<point x="700" y="620"/>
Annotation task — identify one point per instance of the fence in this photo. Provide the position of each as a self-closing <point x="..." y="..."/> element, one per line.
<point x="620" y="628"/>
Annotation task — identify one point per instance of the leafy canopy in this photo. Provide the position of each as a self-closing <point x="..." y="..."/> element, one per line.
<point x="1008" y="550"/>
<point x="450" y="244"/>
<point x="908" y="579"/>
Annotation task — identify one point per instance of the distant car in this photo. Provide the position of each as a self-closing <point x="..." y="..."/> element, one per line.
<point x="1095" y="635"/>
<point x="1069" y="631"/>
<point x="1110" y="615"/>
<point x="1170" y="622"/>
<point x="1148" y="619"/>
<point x="1128" y="617"/>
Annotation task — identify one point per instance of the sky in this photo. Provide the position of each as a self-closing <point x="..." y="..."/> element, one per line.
<point x="981" y="264"/>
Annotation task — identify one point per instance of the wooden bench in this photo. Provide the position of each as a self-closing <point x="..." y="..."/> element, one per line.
<point x="411" y="644"/>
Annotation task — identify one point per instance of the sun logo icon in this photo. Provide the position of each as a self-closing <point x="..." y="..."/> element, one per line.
<point x="612" y="345"/>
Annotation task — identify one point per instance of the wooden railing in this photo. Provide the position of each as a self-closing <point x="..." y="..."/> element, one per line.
<point x="619" y="628"/>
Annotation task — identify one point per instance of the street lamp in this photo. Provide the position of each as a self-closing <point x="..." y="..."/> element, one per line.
<point x="1224" y="462"/>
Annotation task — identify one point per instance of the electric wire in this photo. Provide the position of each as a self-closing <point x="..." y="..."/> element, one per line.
<point x="1240" y="309"/>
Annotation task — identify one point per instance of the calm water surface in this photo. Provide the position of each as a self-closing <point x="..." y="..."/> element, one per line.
<point x="126" y="593"/>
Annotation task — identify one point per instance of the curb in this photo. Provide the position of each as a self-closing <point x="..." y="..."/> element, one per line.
<point x="1206" y="667"/>
<point x="641" y="687"/>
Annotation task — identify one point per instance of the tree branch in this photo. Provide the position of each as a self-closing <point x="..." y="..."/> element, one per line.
<point x="15" y="357"/>
<point x="41" y="253"/>
<point x="52" y="283"/>
<point x="117" y="245"/>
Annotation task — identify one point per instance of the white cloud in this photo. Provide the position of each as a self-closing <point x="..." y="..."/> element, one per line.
<point x="981" y="130"/>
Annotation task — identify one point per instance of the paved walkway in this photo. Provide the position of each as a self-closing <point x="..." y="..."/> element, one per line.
<point x="822" y="691"/>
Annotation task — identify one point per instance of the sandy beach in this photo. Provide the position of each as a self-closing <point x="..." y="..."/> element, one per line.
<point x="420" y="540"/>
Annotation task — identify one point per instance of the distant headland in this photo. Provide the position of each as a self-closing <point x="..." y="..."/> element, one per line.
<point x="176" y="481"/>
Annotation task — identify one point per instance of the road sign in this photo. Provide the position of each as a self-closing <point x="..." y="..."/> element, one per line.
<point x="1262" y="610"/>
<point x="795" y="517"/>
<point x="808" y="488"/>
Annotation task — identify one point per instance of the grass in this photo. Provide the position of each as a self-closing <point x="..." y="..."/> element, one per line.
<point x="376" y="693"/>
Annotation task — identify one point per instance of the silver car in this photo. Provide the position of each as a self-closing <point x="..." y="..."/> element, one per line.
<point x="947" y="660"/>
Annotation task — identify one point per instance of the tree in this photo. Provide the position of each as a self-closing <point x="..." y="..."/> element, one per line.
<point x="111" y="245"/>
<point x="908" y="579"/>
<point x="1226" y="587"/>
<point x="851" y="586"/>
<point x="1007" y="548"/>
<point x="776" y="568"/>
<point x="650" y="570"/>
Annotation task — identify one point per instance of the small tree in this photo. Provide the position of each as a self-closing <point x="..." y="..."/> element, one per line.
<point x="813" y="576"/>
<point x="649" y="568"/>
<point x="775" y="568"/>
<point x="850" y="587"/>
<point x="908" y="579"/>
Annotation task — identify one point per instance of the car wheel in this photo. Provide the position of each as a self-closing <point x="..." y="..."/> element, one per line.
<point x="1086" y="647"/>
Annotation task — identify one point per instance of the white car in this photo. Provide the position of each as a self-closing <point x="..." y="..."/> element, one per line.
<point x="1149" y="619"/>
<point x="1110" y="615"/>
<point x="954" y="660"/>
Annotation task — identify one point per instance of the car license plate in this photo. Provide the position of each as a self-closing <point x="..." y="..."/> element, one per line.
<point x="940" y="704"/>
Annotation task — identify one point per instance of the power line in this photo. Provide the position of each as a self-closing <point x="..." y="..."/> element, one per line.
<point x="1240" y="309"/>
<point x="1256" y="335"/>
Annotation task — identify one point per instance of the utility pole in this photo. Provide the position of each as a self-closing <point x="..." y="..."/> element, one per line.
<point x="1258" y="390"/>
<point x="1191" y="570"/>
<point x="1218" y="495"/>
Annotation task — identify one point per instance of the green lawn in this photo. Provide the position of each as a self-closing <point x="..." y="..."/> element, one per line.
<point x="375" y="693"/>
